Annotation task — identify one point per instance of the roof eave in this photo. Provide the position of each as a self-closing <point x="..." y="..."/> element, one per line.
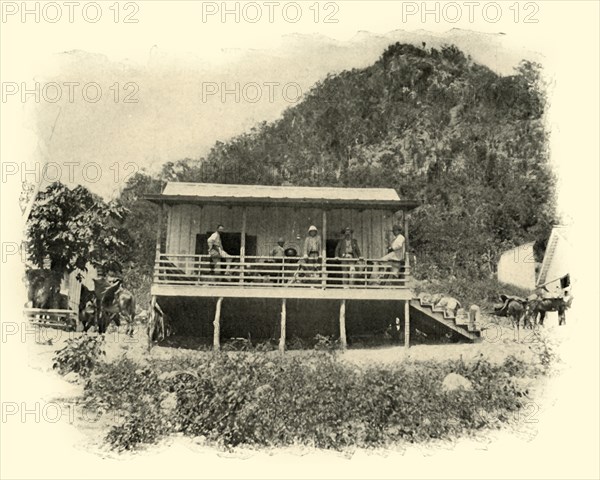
<point x="290" y="202"/>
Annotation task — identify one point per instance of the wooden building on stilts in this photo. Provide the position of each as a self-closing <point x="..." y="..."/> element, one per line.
<point x="256" y="294"/>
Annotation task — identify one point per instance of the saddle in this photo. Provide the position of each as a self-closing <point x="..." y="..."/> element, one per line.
<point x="501" y="310"/>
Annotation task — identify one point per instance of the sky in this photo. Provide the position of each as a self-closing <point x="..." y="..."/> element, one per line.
<point x="170" y="106"/>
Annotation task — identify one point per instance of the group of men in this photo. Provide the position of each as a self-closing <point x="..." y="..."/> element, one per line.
<point x="347" y="251"/>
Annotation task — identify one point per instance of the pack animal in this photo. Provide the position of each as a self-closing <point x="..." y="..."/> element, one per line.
<point x="513" y="308"/>
<point x="538" y="306"/>
<point x="87" y="308"/>
<point x="44" y="289"/>
<point x="113" y="302"/>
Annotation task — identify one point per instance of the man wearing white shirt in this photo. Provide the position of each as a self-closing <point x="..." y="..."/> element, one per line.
<point x="395" y="257"/>
<point x="215" y="249"/>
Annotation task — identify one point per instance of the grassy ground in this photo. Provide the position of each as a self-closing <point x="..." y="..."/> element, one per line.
<point x="366" y="378"/>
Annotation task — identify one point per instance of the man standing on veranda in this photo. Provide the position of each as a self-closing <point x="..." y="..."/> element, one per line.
<point x="215" y="249"/>
<point x="395" y="257"/>
<point x="348" y="251"/>
<point x="312" y="251"/>
<point x="277" y="257"/>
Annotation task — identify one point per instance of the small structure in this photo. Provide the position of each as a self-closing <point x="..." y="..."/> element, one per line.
<point x="554" y="271"/>
<point x="53" y="299"/>
<point x="258" y="296"/>
<point x="72" y="282"/>
<point x="517" y="267"/>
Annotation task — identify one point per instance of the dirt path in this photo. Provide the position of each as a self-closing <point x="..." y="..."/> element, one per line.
<point x="496" y="345"/>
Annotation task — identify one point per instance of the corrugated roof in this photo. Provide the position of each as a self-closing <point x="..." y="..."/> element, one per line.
<point x="176" y="192"/>
<point x="216" y="190"/>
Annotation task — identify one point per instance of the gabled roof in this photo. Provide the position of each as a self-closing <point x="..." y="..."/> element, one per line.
<point x="204" y="193"/>
<point x="559" y="233"/>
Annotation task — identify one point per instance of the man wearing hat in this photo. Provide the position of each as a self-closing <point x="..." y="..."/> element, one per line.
<point x="277" y="257"/>
<point x="312" y="244"/>
<point x="395" y="257"/>
<point x="312" y="248"/>
<point x="347" y="249"/>
<point x="278" y="251"/>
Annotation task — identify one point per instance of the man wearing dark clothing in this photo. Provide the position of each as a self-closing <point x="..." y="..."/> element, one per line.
<point x="348" y="251"/>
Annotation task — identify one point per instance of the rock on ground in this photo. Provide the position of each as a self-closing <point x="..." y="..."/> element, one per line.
<point x="454" y="381"/>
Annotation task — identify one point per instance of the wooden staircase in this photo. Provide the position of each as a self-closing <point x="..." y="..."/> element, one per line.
<point x="460" y="325"/>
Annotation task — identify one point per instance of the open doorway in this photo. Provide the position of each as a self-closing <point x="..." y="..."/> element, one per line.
<point x="232" y="243"/>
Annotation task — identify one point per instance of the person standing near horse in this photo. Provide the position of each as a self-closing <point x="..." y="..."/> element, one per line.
<point x="216" y="251"/>
<point x="348" y="251"/>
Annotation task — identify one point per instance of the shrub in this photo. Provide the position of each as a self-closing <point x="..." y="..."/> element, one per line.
<point x="144" y="423"/>
<point x="237" y="345"/>
<point x="546" y="352"/>
<point x="314" y="399"/>
<point x="79" y="355"/>
<point x="326" y="343"/>
<point x="135" y="394"/>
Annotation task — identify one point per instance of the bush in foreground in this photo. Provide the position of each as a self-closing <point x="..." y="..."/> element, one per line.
<point x="79" y="355"/>
<point x="315" y="400"/>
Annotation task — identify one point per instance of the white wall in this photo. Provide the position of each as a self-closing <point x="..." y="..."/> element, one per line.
<point x="517" y="267"/>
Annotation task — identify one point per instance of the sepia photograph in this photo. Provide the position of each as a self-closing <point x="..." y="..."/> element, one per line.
<point x="313" y="239"/>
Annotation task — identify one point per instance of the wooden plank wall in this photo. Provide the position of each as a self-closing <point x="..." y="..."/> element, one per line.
<point x="71" y="286"/>
<point x="371" y="227"/>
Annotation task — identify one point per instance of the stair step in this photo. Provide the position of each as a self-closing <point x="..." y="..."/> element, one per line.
<point x="449" y="320"/>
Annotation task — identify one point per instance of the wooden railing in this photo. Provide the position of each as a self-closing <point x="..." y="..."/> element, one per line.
<point x="57" y="318"/>
<point x="260" y="271"/>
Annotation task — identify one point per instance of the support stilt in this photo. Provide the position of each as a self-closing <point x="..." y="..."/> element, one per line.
<point x="217" y="326"/>
<point x="343" y="340"/>
<point x="153" y="334"/>
<point x="406" y="324"/>
<point x="283" y="326"/>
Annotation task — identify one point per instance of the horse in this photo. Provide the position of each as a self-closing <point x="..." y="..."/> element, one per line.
<point x="538" y="305"/>
<point x="43" y="292"/>
<point x="113" y="303"/>
<point x="44" y="289"/>
<point x="514" y="308"/>
<point x="87" y="308"/>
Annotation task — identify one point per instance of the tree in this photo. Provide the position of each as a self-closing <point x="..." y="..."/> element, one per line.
<point x="74" y="228"/>
<point x="139" y="231"/>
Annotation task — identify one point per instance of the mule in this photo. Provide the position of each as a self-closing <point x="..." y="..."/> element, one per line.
<point x="113" y="303"/>
<point x="87" y="308"/>
<point x="539" y="306"/>
<point x="515" y="311"/>
<point x="513" y="308"/>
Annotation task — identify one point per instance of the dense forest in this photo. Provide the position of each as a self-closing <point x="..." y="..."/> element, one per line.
<point x="469" y="144"/>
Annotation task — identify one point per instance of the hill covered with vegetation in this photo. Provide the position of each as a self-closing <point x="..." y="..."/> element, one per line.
<point x="469" y="144"/>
